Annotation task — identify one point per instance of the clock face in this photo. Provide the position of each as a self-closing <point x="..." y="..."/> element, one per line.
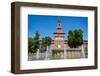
<point x="59" y="46"/>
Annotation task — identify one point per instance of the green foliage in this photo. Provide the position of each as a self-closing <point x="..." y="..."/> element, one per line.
<point x="46" y="41"/>
<point x="33" y="44"/>
<point x="36" y="41"/>
<point x="30" y="44"/>
<point x="75" y="38"/>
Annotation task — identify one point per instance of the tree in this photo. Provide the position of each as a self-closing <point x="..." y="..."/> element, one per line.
<point x="75" y="38"/>
<point x="30" y="44"/>
<point x="34" y="43"/>
<point x="46" y="41"/>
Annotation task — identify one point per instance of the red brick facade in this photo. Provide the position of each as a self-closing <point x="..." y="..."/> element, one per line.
<point x="58" y="42"/>
<point x="58" y="37"/>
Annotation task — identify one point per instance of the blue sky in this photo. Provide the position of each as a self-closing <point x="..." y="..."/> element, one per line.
<point x="46" y="25"/>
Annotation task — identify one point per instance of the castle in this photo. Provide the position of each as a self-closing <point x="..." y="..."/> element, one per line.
<point x="59" y="44"/>
<point x="59" y="48"/>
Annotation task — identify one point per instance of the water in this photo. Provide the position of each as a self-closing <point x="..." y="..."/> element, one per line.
<point x="65" y="52"/>
<point x="37" y="54"/>
<point x="46" y="53"/>
<point x="82" y="52"/>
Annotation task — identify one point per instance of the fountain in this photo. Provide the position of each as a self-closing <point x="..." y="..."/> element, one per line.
<point x="37" y="54"/>
<point x="46" y="53"/>
<point x="82" y="52"/>
<point x="50" y="53"/>
<point x="65" y="49"/>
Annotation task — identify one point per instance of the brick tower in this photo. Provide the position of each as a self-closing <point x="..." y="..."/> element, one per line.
<point x="59" y="36"/>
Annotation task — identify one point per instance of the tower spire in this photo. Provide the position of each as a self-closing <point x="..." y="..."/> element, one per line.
<point x="59" y="23"/>
<point x="59" y="20"/>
